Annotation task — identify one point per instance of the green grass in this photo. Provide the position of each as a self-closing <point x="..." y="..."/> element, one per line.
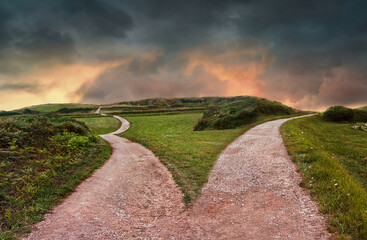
<point x="101" y="125"/>
<point x="333" y="160"/>
<point x="46" y="108"/>
<point x="42" y="160"/>
<point x="189" y="155"/>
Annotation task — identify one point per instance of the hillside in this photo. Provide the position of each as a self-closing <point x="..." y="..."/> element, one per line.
<point x="210" y="105"/>
<point x="244" y="110"/>
<point x="183" y="102"/>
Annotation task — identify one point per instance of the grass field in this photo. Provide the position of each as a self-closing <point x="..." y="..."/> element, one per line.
<point x="101" y="125"/>
<point x="45" y="108"/>
<point x="333" y="160"/>
<point x="189" y="155"/>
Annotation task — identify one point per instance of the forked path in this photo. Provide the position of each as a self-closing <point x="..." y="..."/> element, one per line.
<point x="253" y="193"/>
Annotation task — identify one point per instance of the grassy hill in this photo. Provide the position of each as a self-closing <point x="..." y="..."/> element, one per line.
<point x="244" y="110"/>
<point x="211" y="105"/>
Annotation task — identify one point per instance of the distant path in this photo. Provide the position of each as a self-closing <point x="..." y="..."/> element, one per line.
<point x="98" y="111"/>
<point x="252" y="193"/>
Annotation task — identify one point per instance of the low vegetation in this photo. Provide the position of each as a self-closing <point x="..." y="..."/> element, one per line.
<point x="42" y="160"/>
<point x="8" y="113"/>
<point x="341" y="113"/>
<point x="61" y="108"/>
<point x="182" y="102"/>
<point x="189" y="155"/>
<point x="244" y="111"/>
<point x="332" y="157"/>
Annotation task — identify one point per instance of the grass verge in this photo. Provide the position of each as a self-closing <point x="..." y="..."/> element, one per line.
<point x="333" y="160"/>
<point x="189" y="155"/>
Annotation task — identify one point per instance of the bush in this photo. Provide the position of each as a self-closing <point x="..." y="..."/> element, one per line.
<point x="338" y="114"/>
<point x="5" y="113"/>
<point x="360" y="115"/>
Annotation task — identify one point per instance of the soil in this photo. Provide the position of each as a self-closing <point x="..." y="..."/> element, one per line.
<point x="253" y="192"/>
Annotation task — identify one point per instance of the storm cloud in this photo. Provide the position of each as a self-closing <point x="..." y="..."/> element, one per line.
<point x="309" y="54"/>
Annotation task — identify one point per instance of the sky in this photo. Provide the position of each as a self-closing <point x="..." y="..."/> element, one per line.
<point x="308" y="54"/>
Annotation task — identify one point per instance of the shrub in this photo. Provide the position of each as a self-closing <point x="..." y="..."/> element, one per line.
<point x="360" y="115"/>
<point x="338" y="114"/>
<point x="5" y="113"/>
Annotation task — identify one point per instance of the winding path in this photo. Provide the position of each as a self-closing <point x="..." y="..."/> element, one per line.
<point x="253" y="193"/>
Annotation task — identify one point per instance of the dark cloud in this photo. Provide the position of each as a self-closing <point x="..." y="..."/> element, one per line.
<point x="46" y="44"/>
<point x="96" y="19"/>
<point x="35" y="31"/>
<point x="176" y="25"/>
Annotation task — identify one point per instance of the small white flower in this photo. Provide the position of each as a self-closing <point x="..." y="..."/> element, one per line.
<point x="336" y="184"/>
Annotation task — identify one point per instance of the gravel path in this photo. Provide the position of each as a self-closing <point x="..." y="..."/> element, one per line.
<point x="253" y="193"/>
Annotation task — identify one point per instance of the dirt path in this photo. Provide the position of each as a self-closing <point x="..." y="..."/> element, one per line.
<point x="252" y="193"/>
<point x="119" y="200"/>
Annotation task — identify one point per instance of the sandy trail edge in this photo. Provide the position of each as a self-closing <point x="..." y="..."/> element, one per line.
<point x="252" y="193"/>
<point x="121" y="198"/>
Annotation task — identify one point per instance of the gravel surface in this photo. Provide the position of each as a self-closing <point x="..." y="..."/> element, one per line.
<point x="253" y="193"/>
